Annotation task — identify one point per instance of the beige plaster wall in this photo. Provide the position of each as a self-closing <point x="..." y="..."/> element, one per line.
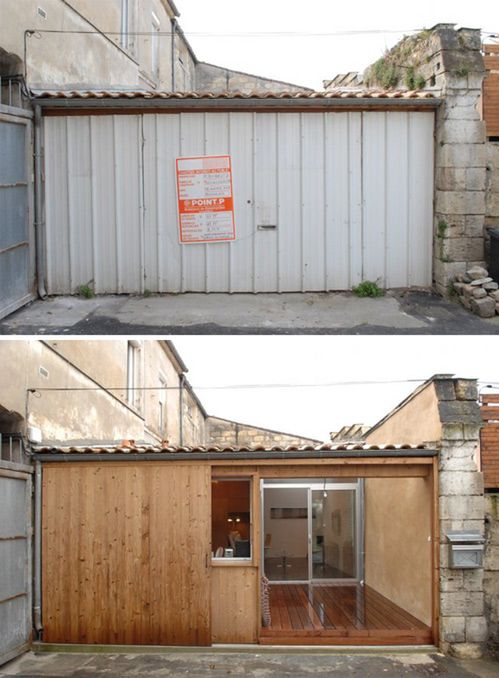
<point x="61" y="415"/>
<point x="63" y="60"/>
<point x="59" y="60"/>
<point x="94" y="414"/>
<point x="397" y="542"/>
<point x="417" y="421"/>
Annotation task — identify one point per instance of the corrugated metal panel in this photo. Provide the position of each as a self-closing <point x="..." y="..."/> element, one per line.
<point x="16" y="270"/>
<point x="322" y="201"/>
<point x="15" y="572"/>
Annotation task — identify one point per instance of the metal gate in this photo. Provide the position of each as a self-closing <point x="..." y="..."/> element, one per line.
<point x="15" y="559"/>
<point x="323" y="200"/>
<point x="16" y="256"/>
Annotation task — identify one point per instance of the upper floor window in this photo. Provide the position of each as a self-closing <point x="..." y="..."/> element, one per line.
<point x="125" y="23"/>
<point x="133" y="392"/>
<point x="162" y="405"/>
<point x="155" y="26"/>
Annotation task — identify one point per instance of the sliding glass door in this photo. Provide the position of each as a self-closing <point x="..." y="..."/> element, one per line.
<point x="312" y="530"/>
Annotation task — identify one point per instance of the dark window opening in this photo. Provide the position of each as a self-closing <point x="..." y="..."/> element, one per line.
<point x="231" y="518"/>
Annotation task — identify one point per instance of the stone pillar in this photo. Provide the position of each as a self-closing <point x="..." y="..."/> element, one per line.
<point x="492" y="192"/>
<point x="449" y="64"/>
<point x="460" y="156"/>
<point x="463" y="626"/>
<point x="491" y="570"/>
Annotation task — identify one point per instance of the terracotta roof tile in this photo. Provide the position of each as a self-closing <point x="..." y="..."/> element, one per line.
<point x="172" y="450"/>
<point x="146" y="94"/>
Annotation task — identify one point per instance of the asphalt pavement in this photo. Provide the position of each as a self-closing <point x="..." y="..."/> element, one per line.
<point x="197" y="664"/>
<point x="397" y="312"/>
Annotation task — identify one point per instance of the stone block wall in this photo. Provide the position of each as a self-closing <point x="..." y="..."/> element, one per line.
<point x="463" y="623"/>
<point x="460" y="158"/>
<point x="491" y="570"/>
<point x="449" y="64"/>
<point x="491" y="192"/>
<point x="232" y="433"/>
<point x="217" y="80"/>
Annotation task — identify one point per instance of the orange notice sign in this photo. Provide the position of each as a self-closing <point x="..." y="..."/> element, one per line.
<point x="205" y="199"/>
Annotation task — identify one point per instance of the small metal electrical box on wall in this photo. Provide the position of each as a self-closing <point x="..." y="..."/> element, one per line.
<point x="465" y="550"/>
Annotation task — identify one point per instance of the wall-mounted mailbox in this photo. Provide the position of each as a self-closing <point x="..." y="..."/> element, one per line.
<point x="465" y="550"/>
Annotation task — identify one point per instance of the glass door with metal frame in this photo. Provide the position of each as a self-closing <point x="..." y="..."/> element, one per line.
<point x="313" y="530"/>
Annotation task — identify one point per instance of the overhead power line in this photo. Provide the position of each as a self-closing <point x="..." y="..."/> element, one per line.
<point x="221" y="387"/>
<point x="240" y="34"/>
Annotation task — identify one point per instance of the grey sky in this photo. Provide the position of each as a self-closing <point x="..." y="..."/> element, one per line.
<point x="307" y="60"/>
<point x="315" y="411"/>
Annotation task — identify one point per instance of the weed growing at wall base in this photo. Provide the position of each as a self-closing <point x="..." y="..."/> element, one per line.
<point x="368" y="289"/>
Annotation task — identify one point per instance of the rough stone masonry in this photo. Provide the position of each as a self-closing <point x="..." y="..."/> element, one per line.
<point x="463" y="624"/>
<point x="449" y="63"/>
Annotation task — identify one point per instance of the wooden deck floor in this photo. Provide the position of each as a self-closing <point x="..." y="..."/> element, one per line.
<point x="338" y="614"/>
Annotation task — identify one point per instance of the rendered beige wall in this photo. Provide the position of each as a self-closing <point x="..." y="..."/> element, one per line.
<point x="94" y="414"/>
<point x="64" y="59"/>
<point x="416" y="422"/>
<point x="397" y="542"/>
<point x="61" y="415"/>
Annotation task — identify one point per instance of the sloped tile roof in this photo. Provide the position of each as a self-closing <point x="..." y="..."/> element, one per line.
<point x="147" y="94"/>
<point x="130" y="448"/>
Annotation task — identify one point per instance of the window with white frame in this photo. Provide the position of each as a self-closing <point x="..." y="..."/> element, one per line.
<point x="133" y="393"/>
<point x="162" y="391"/>
<point x="125" y="23"/>
<point x="155" y="26"/>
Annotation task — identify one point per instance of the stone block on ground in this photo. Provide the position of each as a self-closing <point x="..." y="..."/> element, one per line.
<point x="466" y="650"/>
<point x="477" y="272"/>
<point x="479" y="293"/>
<point x="491" y="286"/>
<point x="494" y="295"/>
<point x="485" y="308"/>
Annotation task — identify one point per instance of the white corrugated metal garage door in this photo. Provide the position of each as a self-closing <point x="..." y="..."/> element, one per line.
<point x="349" y="194"/>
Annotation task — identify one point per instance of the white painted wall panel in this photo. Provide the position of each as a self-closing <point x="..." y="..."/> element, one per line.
<point x="56" y="207"/>
<point x="242" y="253"/>
<point x="290" y="201"/>
<point x="349" y="196"/>
<point x="217" y="254"/>
<point x="420" y="199"/>
<point x="192" y="143"/>
<point x="266" y="172"/>
<point x="397" y="186"/>
<point x="313" y="197"/>
<point x="79" y="201"/>
<point x="374" y="169"/>
<point x="104" y="229"/>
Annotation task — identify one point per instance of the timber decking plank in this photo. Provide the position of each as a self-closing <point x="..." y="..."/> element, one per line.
<point x="337" y="614"/>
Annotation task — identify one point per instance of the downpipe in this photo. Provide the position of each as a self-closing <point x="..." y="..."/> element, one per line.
<point x="37" y="554"/>
<point x="39" y="221"/>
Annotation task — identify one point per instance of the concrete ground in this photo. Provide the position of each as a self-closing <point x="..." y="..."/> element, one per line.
<point x="201" y="664"/>
<point x="414" y="312"/>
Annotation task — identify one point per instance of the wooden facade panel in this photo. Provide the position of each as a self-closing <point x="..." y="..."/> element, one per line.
<point x="489" y="440"/>
<point x="125" y="554"/>
<point x="234" y="604"/>
<point x="491" y="90"/>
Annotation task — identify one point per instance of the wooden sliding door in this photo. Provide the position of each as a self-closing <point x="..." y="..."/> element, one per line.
<point x="126" y="553"/>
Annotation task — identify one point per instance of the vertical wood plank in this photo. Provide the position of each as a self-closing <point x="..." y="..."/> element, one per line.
<point x="125" y="554"/>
